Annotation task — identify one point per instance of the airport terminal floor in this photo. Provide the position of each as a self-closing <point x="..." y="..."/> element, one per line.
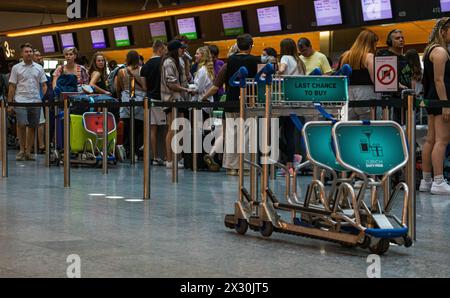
<point x="180" y="232"/>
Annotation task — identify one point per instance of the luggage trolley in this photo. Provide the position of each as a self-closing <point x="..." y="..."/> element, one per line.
<point x="339" y="214"/>
<point x="85" y="135"/>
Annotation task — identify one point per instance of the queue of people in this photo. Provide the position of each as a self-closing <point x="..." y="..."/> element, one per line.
<point x="173" y="74"/>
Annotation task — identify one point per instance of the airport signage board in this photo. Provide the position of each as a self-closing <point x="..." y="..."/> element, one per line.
<point x="386" y="74"/>
<point x="158" y="31"/>
<point x="316" y="88"/>
<point x="232" y="23"/>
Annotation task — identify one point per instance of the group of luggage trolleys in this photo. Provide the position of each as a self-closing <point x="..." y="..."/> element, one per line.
<point x="354" y="214"/>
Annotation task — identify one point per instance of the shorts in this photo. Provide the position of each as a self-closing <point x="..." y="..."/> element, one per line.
<point x="158" y="117"/>
<point x="361" y="93"/>
<point x="28" y="116"/>
<point x="434" y="111"/>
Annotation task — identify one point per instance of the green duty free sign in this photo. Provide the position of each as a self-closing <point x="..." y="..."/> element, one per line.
<point x="316" y="88"/>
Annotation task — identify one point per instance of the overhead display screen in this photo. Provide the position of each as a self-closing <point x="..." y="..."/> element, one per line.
<point x="328" y="12"/>
<point x="232" y="23"/>
<point x="98" y="39"/>
<point x="122" y="36"/>
<point x="269" y="19"/>
<point x="376" y="10"/>
<point x="158" y="31"/>
<point x="187" y="28"/>
<point x="48" y="44"/>
<point x="445" y="5"/>
<point x="67" y="40"/>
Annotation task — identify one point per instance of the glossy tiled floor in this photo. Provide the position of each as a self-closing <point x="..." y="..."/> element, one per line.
<point x="179" y="233"/>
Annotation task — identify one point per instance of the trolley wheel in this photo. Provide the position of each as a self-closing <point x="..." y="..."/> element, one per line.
<point x="229" y="221"/>
<point x="408" y="241"/>
<point x="241" y="226"/>
<point x="266" y="229"/>
<point x="381" y="247"/>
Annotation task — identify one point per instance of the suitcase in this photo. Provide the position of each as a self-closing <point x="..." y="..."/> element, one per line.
<point x="78" y="135"/>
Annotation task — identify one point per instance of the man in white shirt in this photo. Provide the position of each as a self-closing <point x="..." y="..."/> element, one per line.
<point x="25" y="83"/>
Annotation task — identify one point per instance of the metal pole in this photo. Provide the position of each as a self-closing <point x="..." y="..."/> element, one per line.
<point x="66" y="143"/>
<point x="47" y="136"/>
<point x="387" y="184"/>
<point x="174" y="154"/>
<point x="411" y="165"/>
<point x="195" y="136"/>
<point x="147" y="141"/>
<point x="266" y="140"/>
<point x="4" y="141"/>
<point x="105" y="141"/>
<point x="132" y="129"/>
<point x="241" y="142"/>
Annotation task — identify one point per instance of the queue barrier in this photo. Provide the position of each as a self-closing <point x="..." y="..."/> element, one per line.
<point x="408" y="101"/>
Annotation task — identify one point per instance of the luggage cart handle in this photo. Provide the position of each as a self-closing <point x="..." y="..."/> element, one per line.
<point x="268" y="71"/>
<point x="239" y="78"/>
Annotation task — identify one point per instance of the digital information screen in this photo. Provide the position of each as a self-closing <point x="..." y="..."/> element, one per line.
<point x="122" y="36"/>
<point x="376" y="10"/>
<point x="269" y="19"/>
<point x="328" y="12"/>
<point x="98" y="39"/>
<point x="445" y="5"/>
<point x="158" y="31"/>
<point x="187" y="27"/>
<point x="232" y="23"/>
<point x="48" y="44"/>
<point x="67" y="40"/>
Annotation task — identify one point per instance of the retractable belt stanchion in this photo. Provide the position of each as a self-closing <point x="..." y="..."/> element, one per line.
<point x="105" y="141"/>
<point x="132" y="129"/>
<point x="47" y="135"/>
<point x="4" y="138"/>
<point x="66" y="143"/>
<point x="174" y="154"/>
<point x="409" y="95"/>
<point x="147" y="144"/>
<point x="387" y="184"/>
<point x="195" y="120"/>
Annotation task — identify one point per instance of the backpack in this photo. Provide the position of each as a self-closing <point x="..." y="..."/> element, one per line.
<point x="112" y="75"/>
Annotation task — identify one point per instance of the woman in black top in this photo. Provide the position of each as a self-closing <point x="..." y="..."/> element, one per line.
<point x="97" y="72"/>
<point x="437" y="87"/>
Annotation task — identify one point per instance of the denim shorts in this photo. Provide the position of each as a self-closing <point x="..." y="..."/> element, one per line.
<point x="28" y="116"/>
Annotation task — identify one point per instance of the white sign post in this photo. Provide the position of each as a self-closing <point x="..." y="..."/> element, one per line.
<point x="386" y="74"/>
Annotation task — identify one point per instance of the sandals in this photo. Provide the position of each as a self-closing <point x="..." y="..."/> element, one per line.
<point x="211" y="164"/>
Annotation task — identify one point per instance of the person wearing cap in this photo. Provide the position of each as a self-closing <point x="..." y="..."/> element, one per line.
<point x="174" y="87"/>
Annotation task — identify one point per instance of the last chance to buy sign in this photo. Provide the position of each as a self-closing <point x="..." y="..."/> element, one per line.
<point x="316" y="88"/>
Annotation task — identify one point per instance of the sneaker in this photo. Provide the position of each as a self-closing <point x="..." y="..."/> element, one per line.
<point x="425" y="186"/>
<point x="157" y="162"/>
<point x="169" y="165"/>
<point x="232" y="172"/>
<point x="20" y="156"/>
<point x="30" y="157"/>
<point x="440" y="189"/>
<point x="210" y="163"/>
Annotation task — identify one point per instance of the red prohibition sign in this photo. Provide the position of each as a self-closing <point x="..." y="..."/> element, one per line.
<point x="385" y="72"/>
